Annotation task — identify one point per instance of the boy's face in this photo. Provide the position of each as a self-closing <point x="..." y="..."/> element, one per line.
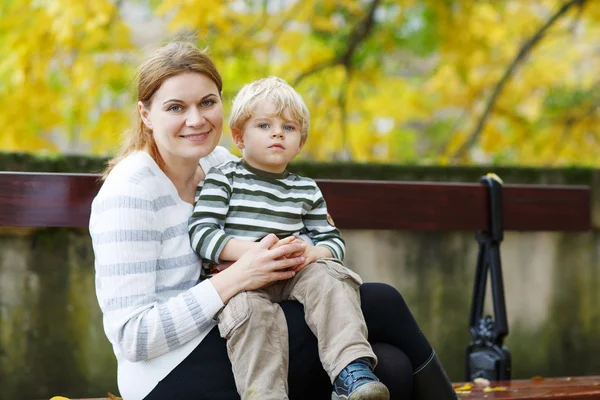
<point x="268" y="141"/>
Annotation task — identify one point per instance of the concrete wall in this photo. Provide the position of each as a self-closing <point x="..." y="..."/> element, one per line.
<point x="52" y="342"/>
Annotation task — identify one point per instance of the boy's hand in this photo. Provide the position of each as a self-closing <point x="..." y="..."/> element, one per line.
<point x="294" y="240"/>
<point x="312" y="254"/>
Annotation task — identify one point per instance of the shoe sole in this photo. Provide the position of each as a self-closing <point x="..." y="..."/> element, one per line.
<point x="369" y="391"/>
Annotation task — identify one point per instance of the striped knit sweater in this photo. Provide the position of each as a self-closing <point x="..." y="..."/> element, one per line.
<point x="155" y="309"/>
<point x="242" y="202"/>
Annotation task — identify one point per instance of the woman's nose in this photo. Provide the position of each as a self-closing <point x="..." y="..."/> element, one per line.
<point x="194" y="117"/>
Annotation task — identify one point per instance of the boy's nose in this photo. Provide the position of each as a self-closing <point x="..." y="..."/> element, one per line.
<point x="277" y="132"/>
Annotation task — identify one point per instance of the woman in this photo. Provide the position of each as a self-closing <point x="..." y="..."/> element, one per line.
<point x="157" y="315"/>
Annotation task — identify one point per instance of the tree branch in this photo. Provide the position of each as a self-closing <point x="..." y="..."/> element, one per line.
<point x="360" y="32"/>
<point x="314" y="69"/>
<point x="343" y="105"/>
<point x="523" y="52"/>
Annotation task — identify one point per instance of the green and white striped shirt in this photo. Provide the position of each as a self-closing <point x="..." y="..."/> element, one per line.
<point x="242" y="202"/>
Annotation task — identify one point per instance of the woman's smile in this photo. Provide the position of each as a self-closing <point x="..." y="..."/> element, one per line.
<point x="196" y="137"/>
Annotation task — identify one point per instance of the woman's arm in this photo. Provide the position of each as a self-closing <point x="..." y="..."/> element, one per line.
<point x="140" y="320"/>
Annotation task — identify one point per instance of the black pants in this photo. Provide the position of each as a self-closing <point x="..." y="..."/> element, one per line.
<point x="393" y="332"/>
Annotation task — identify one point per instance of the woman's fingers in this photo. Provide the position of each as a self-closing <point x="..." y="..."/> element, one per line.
<point x="287" y="249"/>
<point x="284" y="263"/>
<point x="282" y="275"/>
<point x="283" y="241"/>
<point x="268" y="241"/>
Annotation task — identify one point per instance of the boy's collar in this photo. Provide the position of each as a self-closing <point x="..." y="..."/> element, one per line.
<point x="264" y="174"/>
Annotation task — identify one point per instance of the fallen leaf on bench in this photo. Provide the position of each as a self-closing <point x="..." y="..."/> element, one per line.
<point x="113" y="397"/>
<point x="59" y="398"/>
<point x="537" y="378"/>
<point x="466" y="388"/>
<point x="495" y="389"/>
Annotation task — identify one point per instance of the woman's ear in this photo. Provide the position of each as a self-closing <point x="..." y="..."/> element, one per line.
<point x="144" y="115"/>
<point x="238" y="137"/>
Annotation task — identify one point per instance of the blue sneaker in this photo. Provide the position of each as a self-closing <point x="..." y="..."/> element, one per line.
<point x="358" y="382"/>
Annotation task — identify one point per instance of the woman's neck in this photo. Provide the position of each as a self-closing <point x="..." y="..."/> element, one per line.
<point x="185" y="174"/>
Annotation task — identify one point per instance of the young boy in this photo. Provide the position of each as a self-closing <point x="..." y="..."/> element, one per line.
<point x="241" y="202"/>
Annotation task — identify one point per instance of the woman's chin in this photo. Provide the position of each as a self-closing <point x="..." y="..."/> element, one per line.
<point x="197" y="149"/>
<point x="201" y="151"/>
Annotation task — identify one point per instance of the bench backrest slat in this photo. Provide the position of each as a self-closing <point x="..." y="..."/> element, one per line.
<point x="63" y="200"/>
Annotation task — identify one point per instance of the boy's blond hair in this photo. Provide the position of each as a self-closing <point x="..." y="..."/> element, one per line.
<point x="276" y="90"/>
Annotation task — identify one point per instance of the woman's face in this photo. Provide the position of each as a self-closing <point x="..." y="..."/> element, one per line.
<point x="185" y="116"/>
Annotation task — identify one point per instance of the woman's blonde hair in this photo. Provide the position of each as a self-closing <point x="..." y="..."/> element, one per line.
<point x="279" y="93"/>
<point x="165" y="62"/>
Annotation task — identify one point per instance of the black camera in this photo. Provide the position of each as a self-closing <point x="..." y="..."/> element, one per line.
<point x="487" y="357"/>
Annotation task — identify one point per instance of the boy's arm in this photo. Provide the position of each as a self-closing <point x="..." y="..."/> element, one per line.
<point x="208" y="218"/>
<point x="206" y="224"/>
<point x="320" y="229"/>
<point x="234" y="249"/>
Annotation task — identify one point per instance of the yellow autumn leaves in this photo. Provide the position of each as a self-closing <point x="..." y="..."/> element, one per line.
<point x="404" y="82"/>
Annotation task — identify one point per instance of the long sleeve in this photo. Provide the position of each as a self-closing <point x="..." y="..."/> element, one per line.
<point x="208" y="219"/>
<point x="146" y="275"/>
<point x="320" y="230"/>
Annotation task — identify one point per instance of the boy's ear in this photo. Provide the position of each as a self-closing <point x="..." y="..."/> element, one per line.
<point x="144" y="115"/>
<point x="302" y="143"/>
<point x="238" y="137"/>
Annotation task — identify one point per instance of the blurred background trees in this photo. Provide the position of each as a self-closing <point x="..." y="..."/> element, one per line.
<point x="403" y="81"/>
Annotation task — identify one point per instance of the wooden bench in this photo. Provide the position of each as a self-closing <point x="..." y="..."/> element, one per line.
<point x="63" y="200"/>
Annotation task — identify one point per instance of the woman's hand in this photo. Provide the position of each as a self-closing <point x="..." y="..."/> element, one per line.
<point x="260" y="266"/>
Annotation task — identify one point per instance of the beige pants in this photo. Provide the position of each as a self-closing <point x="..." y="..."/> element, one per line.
<point x="256" y="330"/>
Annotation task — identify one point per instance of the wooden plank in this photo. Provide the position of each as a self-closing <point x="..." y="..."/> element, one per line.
<point x="569" y="388"/>
<point x="435" y="206"/>
<point x="63" y="200"/>
<point x="46" y="200"/>
<point x="575" y="388"/>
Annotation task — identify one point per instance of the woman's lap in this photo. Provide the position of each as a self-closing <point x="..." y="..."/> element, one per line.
<point x="206" y="372"/>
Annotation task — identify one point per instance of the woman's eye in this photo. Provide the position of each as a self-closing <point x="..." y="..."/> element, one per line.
<point x="207" y="103"/>
<point x="263" y="126"/>
<point x="175" y="108"/>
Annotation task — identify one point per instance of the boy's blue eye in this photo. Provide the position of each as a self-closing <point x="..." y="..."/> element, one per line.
<point x="288" y="128"/>
<point x="263" y="126"/>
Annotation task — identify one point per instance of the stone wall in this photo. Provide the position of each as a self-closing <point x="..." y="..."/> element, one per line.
<point x="52" y="342"/>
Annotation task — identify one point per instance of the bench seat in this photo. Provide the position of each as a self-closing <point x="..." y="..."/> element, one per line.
<point x="571" y="388"/>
